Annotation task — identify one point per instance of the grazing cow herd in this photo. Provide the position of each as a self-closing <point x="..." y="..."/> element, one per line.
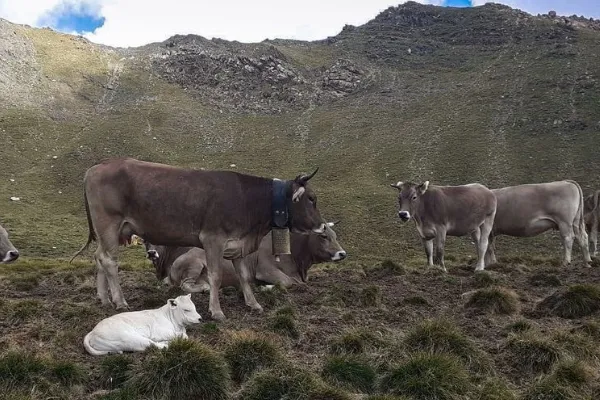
<point x="204" y="230"/>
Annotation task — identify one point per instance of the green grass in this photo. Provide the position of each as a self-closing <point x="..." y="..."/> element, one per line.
<point x="186" y="369"/>
<point x="355" y="341"/>
<point x="428" y="376"/>
<point x="115" y="370"/>
<point x="284" y="324"/>
<point x="350" y="371"/>
<point x="495" y="389"/>
<point x="440" y="337"/>
<point x="248" y="352"/>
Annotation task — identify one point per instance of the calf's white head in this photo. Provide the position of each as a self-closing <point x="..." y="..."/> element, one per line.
<point x="8" y="252"/>
<point x="409" y="195"/>
<point x="183" y="310"/>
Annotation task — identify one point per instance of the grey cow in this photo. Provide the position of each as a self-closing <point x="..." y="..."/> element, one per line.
<point x="8" y="252"/>
<point x="224" y="212"/>
<point x="448" y="210"/>
<point x="531" y="209"/>
<point x="591" y="215"/>
<point x="186" y="266"/>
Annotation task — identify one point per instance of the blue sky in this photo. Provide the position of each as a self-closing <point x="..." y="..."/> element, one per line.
<point x="127" y="23"/>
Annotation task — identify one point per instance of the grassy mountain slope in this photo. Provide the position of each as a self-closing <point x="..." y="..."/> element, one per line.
<point x="487" y="94"/>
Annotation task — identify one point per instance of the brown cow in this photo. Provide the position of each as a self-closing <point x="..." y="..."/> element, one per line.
<point x="448" y="210"/>
<point x="8" y="252"/>
<point x="591" y="215"/>
<point x="531" y="209"/>
<point x="186" y="266"/>
<point x="224" y="212"/>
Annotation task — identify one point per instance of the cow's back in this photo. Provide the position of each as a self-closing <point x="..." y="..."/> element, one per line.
<point x="458" y="208"/>
<point x="521" y="204"/>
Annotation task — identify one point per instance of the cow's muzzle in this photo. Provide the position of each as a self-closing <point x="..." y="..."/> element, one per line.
<point x="339" y="255"/>
<point x="404" y="215"/>
<point x="152" y="255"/>
<point x="11" y="256"/>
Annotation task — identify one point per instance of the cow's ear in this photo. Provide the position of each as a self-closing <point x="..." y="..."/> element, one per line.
<point x="172" y="303"/>
<point x="298" y="194"/>
<point x="423" y="187"/>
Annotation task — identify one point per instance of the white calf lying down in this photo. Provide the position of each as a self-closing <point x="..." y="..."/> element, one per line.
<point x="137" y="330"/>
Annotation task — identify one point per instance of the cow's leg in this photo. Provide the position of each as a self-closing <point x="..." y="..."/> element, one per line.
<point x="490" y="254"/>
<point x="482" y="245"/>
<point x="582" y="240"/>
<point x="244" y="276"/>
<point x="594" y="237"/>
<point x="105" y="256"/>
<point x="214" y="256"/>
<point x="101" y="283"/>
<point x="428" y="244"/>
<point x="567" y="235"/>
<point x="440" y="242"/>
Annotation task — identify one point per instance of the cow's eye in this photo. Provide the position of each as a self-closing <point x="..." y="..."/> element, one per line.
<point x="324" y="236"/>
<point x="414" y="198"/>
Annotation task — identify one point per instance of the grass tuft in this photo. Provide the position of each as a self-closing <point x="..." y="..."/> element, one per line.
<point x="249" y="352"/>
<point x="575" y="302"/>
<point x="495" y="389"/>
<point x="209" y="328"/>
<point x="67" y="373"/>
<point x="542" y="279"/>
<point x="440" y="336"/>
<point x="573" y="372"/>
<point x="416" y="301"/>
<point x="290" y="383"/>
<point x="26" y="282"/>
<point x="352" y="342"/>
<point x="21" y="311"/>
<point x="428" y="376"/>
<point x="351" y="372"/>
<point x="589" y="328"/>
<point x="184" y="370"/>
<point x="115" y="370"/>
<point x="370" y="296"/>
<point x="20" y="369"/>
<point x="533" y="353"/>
<point x="519" y="326"/>
<point x="284" y="324"/>
<point x="549" y="389"/>
<point x="495" y="300"/>
<point x="484" y="279"/>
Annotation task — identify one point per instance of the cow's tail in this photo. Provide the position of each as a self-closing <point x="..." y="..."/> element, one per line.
<point x="91" y="234"/>
<point x="596" y="198"/>
<point x="90" y="349"/>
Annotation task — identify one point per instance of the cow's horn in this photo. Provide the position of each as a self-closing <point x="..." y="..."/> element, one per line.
<point x="307" y="178"/>
<point x="333" y="223"/>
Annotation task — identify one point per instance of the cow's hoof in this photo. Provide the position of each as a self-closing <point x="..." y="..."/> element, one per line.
<point x="218" y="316"/>
<point x="258" y="308"/>
<point x="122" y="307"/>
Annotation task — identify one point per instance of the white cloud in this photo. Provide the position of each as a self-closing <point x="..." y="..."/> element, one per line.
<point x="138" y="22"/>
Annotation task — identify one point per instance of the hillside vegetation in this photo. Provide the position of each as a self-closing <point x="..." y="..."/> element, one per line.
<point x="486" y="94"/>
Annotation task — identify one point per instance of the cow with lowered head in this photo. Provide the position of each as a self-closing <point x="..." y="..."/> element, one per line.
<point x="224" y="212"/>
<point x="137" y="330"/>
<point x="439" y="211"/>
<point x="186" y="266"/>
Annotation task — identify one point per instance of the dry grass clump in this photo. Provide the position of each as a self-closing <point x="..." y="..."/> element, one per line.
<point x="248" y="352"/>
<point x="533" y="353"/>
<point x="428" y="376"/>
<point x="494" y="300"/>
<point x="283" y="322"/>
<point x="575" y="302"/>
<point x="441" y="336"/>
<point x="353" y="342"/>
<point x="350" y="371"/>
<point x="185" y="370"/>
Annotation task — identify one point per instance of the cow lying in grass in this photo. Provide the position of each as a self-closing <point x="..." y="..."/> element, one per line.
<point x="186" y="266"/>
<point x="137" y="330"/>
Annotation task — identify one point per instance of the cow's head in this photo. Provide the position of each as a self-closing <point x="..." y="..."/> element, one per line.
<point x="324" y="246"/>
<point x="151" y="252"/>
<point x="305" y="216"/>
<point x="409" y="196"/>
<point x="183" y="310"/>
<point x="8" y="252"/>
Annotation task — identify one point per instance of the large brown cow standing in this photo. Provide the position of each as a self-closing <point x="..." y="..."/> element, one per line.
<point x="225" y="213"/>
<point x="448" y="210"/>
<point x="591" y="215"/>
<point x="531" y="209"/>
